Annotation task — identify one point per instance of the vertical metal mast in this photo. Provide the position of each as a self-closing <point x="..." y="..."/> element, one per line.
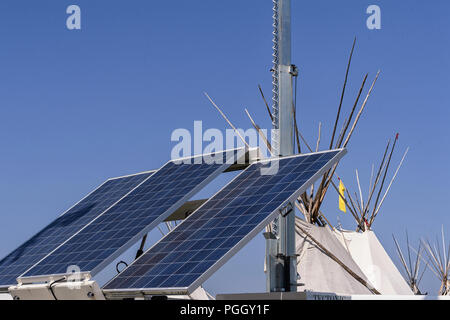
<point x="281" y="258"/>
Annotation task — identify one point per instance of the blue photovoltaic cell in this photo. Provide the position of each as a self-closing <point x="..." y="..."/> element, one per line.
<point x="105" y="238"/>
<point x="210" y="236"/>
<point x="61" y="229"/>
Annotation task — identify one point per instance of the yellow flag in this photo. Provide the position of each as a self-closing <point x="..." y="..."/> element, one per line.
<point x="342" y="195"/>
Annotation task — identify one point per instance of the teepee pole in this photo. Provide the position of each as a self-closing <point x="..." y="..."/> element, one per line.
<point x="257" y="128"/>
<point x="336" y="259"/>
<point x="371" y="178"/>
<point x="342" y="94"/>
<point x="402" y="259"/>
<point x="265" y="102"/>
<point x="349" y="119"/>
<point x="413" y="275"/>
<point x="354" y="214"/>
<point x="380" y="170"/>
<point x="359" y="187"/>
<point x="389" y="186"/>
<point x="226" y="119"/>
<point x="384" y="176"/>
<point x="438" y="265"/>
<point x="361" y="110"/>
<point x="325" y="183"/>
<point x="319" y="137"/>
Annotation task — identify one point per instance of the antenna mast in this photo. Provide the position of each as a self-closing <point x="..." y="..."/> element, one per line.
<point x="281" y="253"/>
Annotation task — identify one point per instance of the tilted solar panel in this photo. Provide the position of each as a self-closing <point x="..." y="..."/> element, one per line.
<point x="65" y="226"/>
<point x="105" y="238"/>
<point x="201" y="244"/>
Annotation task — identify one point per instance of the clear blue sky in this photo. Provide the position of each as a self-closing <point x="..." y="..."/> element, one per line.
<point x="78" y="107"/>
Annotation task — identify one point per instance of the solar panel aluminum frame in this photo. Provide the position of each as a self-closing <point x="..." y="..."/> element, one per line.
<point x="110" y="179"/>
<point x="84" y="274"/>
<point x="4" y="288"/>
<point x="122" y="293"/>
<point x="132" y="175"/>
<point x="89" y="274"/>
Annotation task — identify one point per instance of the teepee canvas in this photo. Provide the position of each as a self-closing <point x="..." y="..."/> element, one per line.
<point x="362" y="244"/>
<point x="368" y="253"/>
<point x="324" y="265"/>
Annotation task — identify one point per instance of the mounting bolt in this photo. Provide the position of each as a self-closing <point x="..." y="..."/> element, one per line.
<point x="293" y="70"/>
<point x="90" y="294"/>
<point x="284" y="211"/>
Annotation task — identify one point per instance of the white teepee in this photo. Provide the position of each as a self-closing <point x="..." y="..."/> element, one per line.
<point x="362" y="244"/>
<point x="324" y="265"/>
<point x="368" y="253"/>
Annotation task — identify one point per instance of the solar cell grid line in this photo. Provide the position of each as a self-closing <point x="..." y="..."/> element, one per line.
<point x="106" y="237"/>
<point x="196" y="248"/>
<point x="71" y="221"/>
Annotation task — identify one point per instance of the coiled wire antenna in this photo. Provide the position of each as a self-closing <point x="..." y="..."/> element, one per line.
<point x="275" y="77"/>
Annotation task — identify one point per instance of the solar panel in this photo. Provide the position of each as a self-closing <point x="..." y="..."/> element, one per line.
<point x="105" y="238"/>
<point x="65" y="226"/>
<point x="188" y="255"/>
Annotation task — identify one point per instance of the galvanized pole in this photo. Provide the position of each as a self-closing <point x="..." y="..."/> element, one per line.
<point x="281" y="253"/>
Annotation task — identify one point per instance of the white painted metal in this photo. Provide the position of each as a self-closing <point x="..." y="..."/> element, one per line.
<point x="80" y="290"/>
<point x="5" y="296"/>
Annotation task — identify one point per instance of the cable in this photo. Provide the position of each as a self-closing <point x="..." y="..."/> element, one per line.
<point x="118" y="264"/>
<point x="51" y="285"/>
<point x="141" y="247"/>
<point x="295" y="107"/>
